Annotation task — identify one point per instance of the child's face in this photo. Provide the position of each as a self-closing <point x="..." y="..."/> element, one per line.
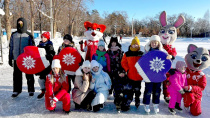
<point x="67" y="42"/>
<point x="86" y="69"/>
<point x="154" y="44"/>
<point x="44" y="39"/>
<point x="114" y="44"/>
<point x="135" y="46"/>
<point x="56" y="70"/>
<point x="182" y="69"/>
<point x="100" y="48"/>
<point x="95" y="69"/>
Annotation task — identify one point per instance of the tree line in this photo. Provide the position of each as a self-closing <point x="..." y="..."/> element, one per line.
<point x="69" y="15"/>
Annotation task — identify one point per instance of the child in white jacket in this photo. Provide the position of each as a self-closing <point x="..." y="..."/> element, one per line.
<point x="102" y="85"/>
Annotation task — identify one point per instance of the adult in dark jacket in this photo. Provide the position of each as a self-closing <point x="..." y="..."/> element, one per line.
<point x="48" y="46"/>
<point x="20" y="39"/>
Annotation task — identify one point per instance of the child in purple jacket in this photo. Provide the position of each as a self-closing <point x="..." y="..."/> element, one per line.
<point x="177" y="82"/>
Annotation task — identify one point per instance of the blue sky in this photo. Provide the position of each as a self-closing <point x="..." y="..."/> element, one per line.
<point x="139" y="9"/>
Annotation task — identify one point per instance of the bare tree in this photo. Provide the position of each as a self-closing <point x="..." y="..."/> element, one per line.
<point x="7" y="18"/>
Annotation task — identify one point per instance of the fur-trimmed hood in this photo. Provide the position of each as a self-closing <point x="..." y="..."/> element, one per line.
<point x="153" y="38"/>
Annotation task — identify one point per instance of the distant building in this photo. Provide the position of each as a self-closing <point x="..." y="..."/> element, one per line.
<point x="36" y="33"/>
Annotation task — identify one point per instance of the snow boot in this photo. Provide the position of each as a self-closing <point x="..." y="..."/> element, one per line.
<point x="137" y="103"/>
<point x="31" y="94"/>
<point x="156" y="109"/>
<point x="172" y="111"/>
<point x="41" y="95"/>
<point x="77" y="106"/>
<point x="15" y="94"/>
<point x="178" y="107"/>
<point x="166" y="99"/>
<point x="125" y="108"/>
<point x="96" y="108"/>
<point x="66" y="112"/>
<point x="146" y="108"/>
<point x="89" y="107"/>
<point x="101" y="106"/>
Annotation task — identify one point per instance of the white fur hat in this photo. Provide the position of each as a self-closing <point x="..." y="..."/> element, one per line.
<point x="56" y="63"/>
<point x="94" y="63"/>
<point x="86" y="64"/>
<point x="153" y="38"/>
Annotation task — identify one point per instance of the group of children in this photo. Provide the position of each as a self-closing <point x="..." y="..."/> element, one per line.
<point x="110" y="71"/>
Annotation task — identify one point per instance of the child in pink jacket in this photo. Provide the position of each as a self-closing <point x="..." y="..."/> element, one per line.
<point x="177" y="83"/>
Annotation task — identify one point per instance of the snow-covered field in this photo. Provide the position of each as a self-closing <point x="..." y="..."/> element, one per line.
<point x="23" y="106"/>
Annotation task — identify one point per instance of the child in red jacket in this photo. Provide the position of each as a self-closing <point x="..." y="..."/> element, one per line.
<point x="57" y="87"/>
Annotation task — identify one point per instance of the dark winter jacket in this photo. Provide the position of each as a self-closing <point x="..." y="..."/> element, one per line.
<point x="64" y="46"/>
<point x="48" y="46"/>
<point x="115" y="61"/>
<point x="20" y="39"/>
<point x="128" y="63"/>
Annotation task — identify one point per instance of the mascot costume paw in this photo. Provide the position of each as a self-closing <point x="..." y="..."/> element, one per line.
<point x="93" y="33"/>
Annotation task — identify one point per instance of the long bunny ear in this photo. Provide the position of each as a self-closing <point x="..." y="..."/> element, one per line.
<point x="162" y="19"/>
<point x="191" y="48"/>
<point x="179" y="22"/>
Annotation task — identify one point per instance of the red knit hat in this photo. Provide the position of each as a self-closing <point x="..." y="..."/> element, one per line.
<point x="46" y="35"/>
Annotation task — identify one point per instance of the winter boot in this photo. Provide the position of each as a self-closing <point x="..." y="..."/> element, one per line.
<point x="101" y="106"/>
<point x="156" y="109"/>
<point x="178" y="107"/>
<point x="66" y="112"/>
<point x="41" y="95"/>
<point x="172" y="111"/>
<point x="96" y="108"/>
<point x="89" y="107"/>
<point x="15" y="94"/>
<point x="77" y="106"/>
<point x="146" y="108"/>
<point x="166" y="100"/>
<point x="31" y="94"/>
<point x="125" y="108"/>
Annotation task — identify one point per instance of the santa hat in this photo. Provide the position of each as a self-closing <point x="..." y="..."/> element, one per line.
<point x="180" y="64"/>
<point x="46" y="35"/>
<point x="86" y="64"/>
<point x="56" y="62"/>
<point x="101" y="43"/>
<point x="153" y="38"/>
<point x="94" y="63"/>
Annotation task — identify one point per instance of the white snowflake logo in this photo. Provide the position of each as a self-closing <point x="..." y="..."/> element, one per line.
<point x="157" y="64"/>
<point x="69" y="59"/>
<point x="29" y="62"/>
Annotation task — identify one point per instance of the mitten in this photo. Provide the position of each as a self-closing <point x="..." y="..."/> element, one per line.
<point x="81" y="42"/>
<point x="181" y="91"/>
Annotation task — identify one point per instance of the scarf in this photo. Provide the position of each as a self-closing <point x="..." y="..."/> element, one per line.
<point x="100" y="54"/>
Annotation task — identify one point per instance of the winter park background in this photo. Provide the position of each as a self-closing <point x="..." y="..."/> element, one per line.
<point x="25" y="106"/>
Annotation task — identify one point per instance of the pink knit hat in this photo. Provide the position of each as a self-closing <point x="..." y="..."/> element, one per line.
<point x="180" y="64"/>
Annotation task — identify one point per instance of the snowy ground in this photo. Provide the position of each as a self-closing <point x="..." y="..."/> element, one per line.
<point x="25" y="106"/>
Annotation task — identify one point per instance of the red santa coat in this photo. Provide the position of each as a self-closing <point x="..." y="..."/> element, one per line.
<point x="90" y="48"/>
<point x="197" y="80"/>
<point x="57" y="92"/>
